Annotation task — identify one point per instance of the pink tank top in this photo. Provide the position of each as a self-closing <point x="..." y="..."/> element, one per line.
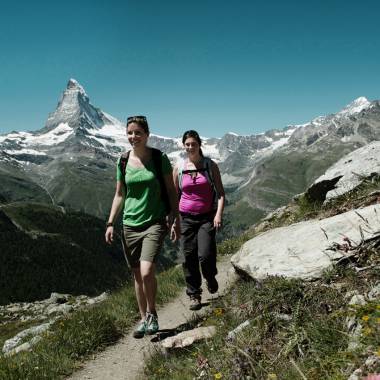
<point x="197" y="194"/>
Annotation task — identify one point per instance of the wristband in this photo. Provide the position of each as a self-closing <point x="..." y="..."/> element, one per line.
<point x="109" y="224"/>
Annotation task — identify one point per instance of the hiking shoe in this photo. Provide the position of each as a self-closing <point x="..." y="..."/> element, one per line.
<point x="195" y="302"/>
<point x="151" y="323"/>
<point x="140" y="330"/>
<point x="212" y="285"/>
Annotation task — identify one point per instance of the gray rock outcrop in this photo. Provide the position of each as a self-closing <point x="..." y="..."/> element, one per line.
<point x="10" y="345"/>
<point x="50" y="309"/>
<point x="347" y="173"/>
<point x="303" y="250"/>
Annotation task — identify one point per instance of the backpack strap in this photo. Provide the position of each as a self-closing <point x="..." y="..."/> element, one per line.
<point x="207" y="169"/>
<point x="157" y="161"/>
<point x="210" y="177"/>
<point x="209" y="174"/>
<point x="181" y="169"/>
<point x="123" y="165"/>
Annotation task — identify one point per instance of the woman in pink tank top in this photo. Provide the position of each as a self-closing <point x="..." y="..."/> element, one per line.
<point x="201" y="204"/>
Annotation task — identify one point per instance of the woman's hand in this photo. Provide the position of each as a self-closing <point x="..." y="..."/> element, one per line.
<point x="109" y="235"/>
<point x="218" y="221"/>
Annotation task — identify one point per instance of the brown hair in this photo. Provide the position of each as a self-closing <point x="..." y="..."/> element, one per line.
<point x="194" y="135"/>
<point x="140" y="120"/>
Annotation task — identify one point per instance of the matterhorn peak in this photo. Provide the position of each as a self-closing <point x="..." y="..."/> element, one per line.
<point x="74" y="107"/>
<point x="73" y="86"/>
<point x="73" y="83"/>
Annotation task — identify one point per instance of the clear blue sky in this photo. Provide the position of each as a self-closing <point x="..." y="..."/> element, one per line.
<point x="212" y="65"/>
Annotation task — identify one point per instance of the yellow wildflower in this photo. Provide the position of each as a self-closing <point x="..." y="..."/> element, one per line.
<point x="378" y="320"/>
<point x="367" y="331"/>
<point x="365" y="318"/>
<point x="218" y="311"/>
<point x="272" y="376"/>
<point x="218" y="375"/>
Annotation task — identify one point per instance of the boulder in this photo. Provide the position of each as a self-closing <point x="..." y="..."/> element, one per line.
<point x="347" y="173"/>
<point x="186" y="338"/>
<point x="303" y="250"/>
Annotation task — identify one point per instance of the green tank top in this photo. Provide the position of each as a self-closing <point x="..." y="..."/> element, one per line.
<point x="143" y="204"/>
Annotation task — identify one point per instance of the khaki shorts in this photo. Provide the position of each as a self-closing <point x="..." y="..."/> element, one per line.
<point x="143" y="244"/>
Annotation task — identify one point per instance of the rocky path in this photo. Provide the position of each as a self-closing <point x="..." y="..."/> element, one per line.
<point x="125" y="360"/>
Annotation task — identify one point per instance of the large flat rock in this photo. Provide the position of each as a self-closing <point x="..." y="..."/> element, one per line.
<point x="301" y="250"/>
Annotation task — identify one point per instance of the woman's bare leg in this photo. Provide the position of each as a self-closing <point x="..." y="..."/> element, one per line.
<point x="147" y="271"/>
<point x="139" y="290"/>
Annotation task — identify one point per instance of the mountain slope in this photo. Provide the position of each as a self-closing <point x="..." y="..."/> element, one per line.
<point x="47" y="249"/>
<point x="44" y="250"/>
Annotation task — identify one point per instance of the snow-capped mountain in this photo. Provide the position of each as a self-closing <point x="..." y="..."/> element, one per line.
<point x="355" y="107"/>
<point x="348" y="125"/>
<point x="78" y="126"/>
<point x="74" y="122"/>
<point x="71" y="160"/>
<point x="77" y="121"/>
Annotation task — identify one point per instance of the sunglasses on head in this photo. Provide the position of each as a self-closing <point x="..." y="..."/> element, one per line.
<point x="138" y="118"/>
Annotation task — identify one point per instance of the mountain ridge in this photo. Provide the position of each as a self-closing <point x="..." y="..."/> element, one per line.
<point x="71" y="160"/>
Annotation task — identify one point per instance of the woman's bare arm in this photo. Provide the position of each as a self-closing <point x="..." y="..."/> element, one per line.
<point x="175" y="230"/>
<point x="221" y="195"/>
<point x="117" y="205"/>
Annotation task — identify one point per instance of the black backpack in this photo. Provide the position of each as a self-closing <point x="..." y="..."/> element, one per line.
<point x="157" y="162"/>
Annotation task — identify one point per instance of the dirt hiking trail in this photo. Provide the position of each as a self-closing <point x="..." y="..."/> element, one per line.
<point x="125" y="359"/>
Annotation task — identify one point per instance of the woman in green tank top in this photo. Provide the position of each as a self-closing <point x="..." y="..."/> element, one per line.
<point x="140" y="194"/>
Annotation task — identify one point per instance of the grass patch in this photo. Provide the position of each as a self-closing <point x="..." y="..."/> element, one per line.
<point x="85" y="332"/>
<point x="230" y="246"/>
<point x="296" y="329"/>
